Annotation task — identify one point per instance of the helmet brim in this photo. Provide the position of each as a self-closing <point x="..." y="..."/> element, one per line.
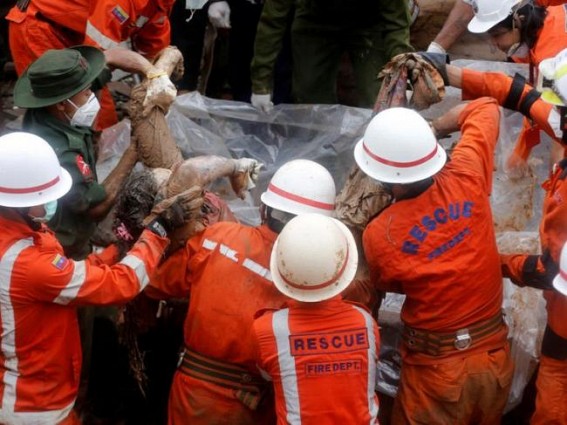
<point x="479" y="27"/>
<point x="391" y="174"/>
<point x="317" y="295"/>
<point x="560" y="284"/>
<point x="17" y="200"/>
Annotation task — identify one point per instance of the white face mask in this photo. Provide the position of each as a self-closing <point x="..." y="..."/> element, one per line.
<point x="50" y="209"/>
<point x="85" y="115"/>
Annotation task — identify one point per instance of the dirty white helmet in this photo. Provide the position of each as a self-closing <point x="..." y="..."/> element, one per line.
<point x="399" y="147"/>
<point x="301" y="186"/>
<point x="552" y="79"/>
<point x="488" y="13"/>
<point x="314" y="258"/>
<point x="560" y="281"/>
<point x="30" y="173"/>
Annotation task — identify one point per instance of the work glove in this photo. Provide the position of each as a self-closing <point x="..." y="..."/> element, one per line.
<point x="161" y="93"/>
<point x="439" y="61"/>
<point x="245" y="175"/>
<point x="436" y="48"/>
<point x="262" y="102"/>
<point x="172" y="213"/>
<point x="219" y="14"/>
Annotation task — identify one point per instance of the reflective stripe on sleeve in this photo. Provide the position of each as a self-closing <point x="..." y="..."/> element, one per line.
<point x="36" y="418"/>
<point x="70" y="292"/>
<point x="139" y="268"/>
<point x="372" y="358"/>
<point x="102" y="40"/>
<point x="8" y="345"/>
<point x="280" y="326"/>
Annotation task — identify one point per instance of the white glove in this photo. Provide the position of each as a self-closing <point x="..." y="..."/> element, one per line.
<point x="161" y="93"/>
<point x="251" y="167"/>
<point x="436" y="48"/>
<point x="219" y="14"/>
<point x="262" y="102"/>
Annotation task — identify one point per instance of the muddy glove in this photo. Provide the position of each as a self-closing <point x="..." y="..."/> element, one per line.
<point x="262" y="102"/>
<point x="161" y="92"/>
<point x="175" y="211"/>
<point x="219" y="14"/>
<point x="439" y="62"/>
<point x="245" y="176"/>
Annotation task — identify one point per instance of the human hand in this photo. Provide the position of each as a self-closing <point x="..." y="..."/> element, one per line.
<point x="160" y="93"/>
<point x="219" y="14"/>
<point x="262" y="102"/>
<point x="175" y="211"/>
<point x="439" y="62"/>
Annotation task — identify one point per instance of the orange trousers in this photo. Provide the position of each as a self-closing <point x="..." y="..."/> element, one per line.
<point x="32" y="37"/>
<point x="551" y="398"/>
<point x="467" y="390"/>
<point x="196" y="402"/>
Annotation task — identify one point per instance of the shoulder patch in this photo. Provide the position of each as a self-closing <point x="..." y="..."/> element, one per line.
<point x="83" y="167"/>
<point x="60" y="262"/>
<point x="119" y="14"/>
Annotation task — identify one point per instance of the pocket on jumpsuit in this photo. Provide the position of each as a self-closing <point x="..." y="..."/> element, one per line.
<point x="442" y="386"/>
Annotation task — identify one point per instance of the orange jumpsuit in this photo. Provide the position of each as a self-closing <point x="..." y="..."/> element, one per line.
<point x="40" y="351"/>
<point x="322" y="358"/>
<point x="439" y="249"/>
<point x="539" y="270"/>
<point x="551" y="39"/>
<point x="225" y="269"/>
<point x="57" y="24"/>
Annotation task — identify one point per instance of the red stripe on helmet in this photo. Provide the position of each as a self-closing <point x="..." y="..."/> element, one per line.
<point x="30" y="189"/>
<point x="563" y="274"/>
<point x="400" y="164"/>
<point x="300" y="199"/>
<point x="321" y="285"/>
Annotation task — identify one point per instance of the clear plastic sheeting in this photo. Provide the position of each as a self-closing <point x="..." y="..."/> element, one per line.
<point x="327" y="134"/>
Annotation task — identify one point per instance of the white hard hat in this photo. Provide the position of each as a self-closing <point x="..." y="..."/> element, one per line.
<point x="488" y="13"/>
<point x="399" y="147"/>
<point x="30" y="173"/>
<point x="314" y="258"/>
<point x="552" y="79"/>
<point x="301" y="186"/>
<point x="560" y="281"/>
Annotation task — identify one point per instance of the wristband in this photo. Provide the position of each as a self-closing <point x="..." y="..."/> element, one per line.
<point x="157" y="227"/>
<point x="151" y="76"/>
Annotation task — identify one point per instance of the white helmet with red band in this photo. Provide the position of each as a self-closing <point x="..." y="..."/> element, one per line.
<point x="488" y="13"/>
<point x="301" y="186"/>
<point x="399" y="147"/>
<point x="314" y="258"/>
<point x="30" y="173"/>
<point x="560" y="281"/>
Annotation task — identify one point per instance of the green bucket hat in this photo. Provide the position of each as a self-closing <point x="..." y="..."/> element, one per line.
<point x="58" y="75"/>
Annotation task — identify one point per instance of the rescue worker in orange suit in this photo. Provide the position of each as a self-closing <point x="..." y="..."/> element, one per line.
<point x="320" y="352"/>
<point x="41" y="288"/>
<point x="549" y="113"/>
<point x="226" y="271"/>
<point x="528" y="34"/>
<point x="458" y="19"/>
<point x="435" y="243"/>
<point x="40" y="25"/>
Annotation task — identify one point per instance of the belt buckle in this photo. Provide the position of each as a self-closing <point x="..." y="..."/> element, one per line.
<point x="463" y="339"/>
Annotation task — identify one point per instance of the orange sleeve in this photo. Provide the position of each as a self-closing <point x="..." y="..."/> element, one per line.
<point x="154" y="36"/>
<point x="67" y="282"/>
<point x="479" y="123"/>
<point x="108" y="256"/>
<point x="110" y="23"/>
<point x="476" y="84"/>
